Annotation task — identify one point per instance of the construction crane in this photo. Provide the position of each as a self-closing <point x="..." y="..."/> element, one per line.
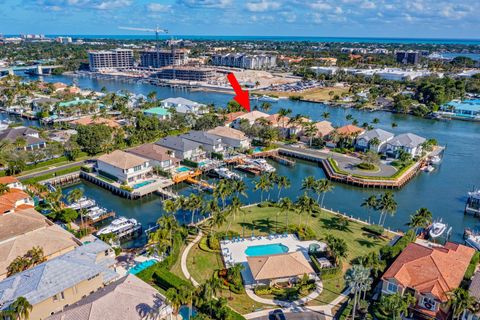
<point x="157" y="30"/>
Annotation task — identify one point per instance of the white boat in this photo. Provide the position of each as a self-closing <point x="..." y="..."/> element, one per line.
<point x="226" y="173"/>
<point x="266" y="98"/>
<point x="261" y="164"/>
<point x="437" y="229"/>
<point x="96" y="213"/>
<point x="429" y="168"/>
<point x="436" y="160"/>
<point x="121" y="227"/>
<point x="473" y="202"/>
<point x="472" y="239"/>
<point x="83" y="203"/>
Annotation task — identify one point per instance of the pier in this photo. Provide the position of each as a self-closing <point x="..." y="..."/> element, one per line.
<point x="275" y="156"/>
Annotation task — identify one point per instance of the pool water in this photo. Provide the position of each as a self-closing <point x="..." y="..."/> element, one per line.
<point x="142" y="266"/>
<point x="182" y="169"/>
<point x="266" y="249"/>
<point x="142" y="184"/>
<point x="184" y="312"/>
<point x="257" y="149"/>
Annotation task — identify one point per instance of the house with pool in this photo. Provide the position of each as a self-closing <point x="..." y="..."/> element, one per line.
<point x="124" y="167"/>
<point x="210" y="143"/>
<point x="463" y="110"/>
<point x="183" y="149"/>
<point x="159" y="156"/>
<point x="270" y="260"/>
<point x="364" y="140"/>
<point x="406" y="142"/>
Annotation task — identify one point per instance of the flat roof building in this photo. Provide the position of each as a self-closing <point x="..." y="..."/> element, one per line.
<point x="163" y="58"/>
<point x="112" y="59"/>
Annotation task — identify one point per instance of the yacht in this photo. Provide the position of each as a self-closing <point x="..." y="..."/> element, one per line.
<point x="226" y="173"/>
<point x="266" y="98"/>
<point x="439" y="229"/>
<point x="263" y="165"/>
<point x="473" y="202"/>
<point x="436" y="160"/>
<point x="97" y="214"/>
<point x="121" y="227"/>
<point x="83" y="203"/>
<point x="472" y="239"/>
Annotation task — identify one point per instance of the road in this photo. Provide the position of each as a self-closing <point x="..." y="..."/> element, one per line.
<point x="52" y="169"/>
<point x="298" y="316"/>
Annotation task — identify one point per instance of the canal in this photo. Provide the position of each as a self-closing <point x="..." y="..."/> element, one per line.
<point x="443" y="191"/>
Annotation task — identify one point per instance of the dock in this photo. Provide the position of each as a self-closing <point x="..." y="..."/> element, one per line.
<point x="249" y="169"/>
<point x="202" y="184"/>
<point x="275" y="156"/>
<point x="181" y="177"/>
<point x="88" y="221"/>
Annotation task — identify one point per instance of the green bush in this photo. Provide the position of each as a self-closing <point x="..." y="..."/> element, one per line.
<point x="166" y="280"/>
<point x="472" y="266"/>
<point x="86" y="169"/>
<point x="374" y="229"/>
<point x="333" y="272"/>
<point x="303" y="232"/>
<point x="389" y="253"/>
<point x="366" y="166"/>
<point x="262" y="290"/>
<point x="230" y="234"/>
<point x="189" y="163"/>
<point x="203" y="245"/>
<point x="50" y="175"/>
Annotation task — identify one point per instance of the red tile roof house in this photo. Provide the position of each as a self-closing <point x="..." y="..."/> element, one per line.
<point x="429" y="274"/>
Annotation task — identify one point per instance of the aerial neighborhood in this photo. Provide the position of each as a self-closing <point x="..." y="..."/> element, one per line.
<point x="228" y="179"/>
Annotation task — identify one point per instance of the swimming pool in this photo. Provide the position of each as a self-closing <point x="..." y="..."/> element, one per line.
<point x="182" y="169"/>
<point x="257" y="149"/>
<point x="142" y="184"/>
<point x="184" y="311"/>
<point x="266" y="249"/>
<point x="142" y="266"/>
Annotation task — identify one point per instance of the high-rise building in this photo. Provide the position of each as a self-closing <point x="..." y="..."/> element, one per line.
<point x="408" y="57"/>
<point x="246" y="61"/>
<point x="113" y="59"/>
<point x="64" y="40"/>
<point x="163" y="58"/>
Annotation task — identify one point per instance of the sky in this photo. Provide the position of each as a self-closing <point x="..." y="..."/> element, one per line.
<point x="325" y="18"/>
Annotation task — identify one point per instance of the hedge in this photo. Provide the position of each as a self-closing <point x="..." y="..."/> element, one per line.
<point x="204" y="246"/>
<point x="50" y="175"/>
<point x="166" y="280"/>
<point x="375" y="229"/>
<point x="472" y="266"/>
<point x="189" y="163"/>
<point x="397" y="174"/>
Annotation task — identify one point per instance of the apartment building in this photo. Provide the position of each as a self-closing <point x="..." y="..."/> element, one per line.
<point x="163" y="58"/>
<point x="112" y="59"/>
<point x="245" y="61"/>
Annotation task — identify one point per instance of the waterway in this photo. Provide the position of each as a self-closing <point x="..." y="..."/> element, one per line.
<point x="442" y="191"/>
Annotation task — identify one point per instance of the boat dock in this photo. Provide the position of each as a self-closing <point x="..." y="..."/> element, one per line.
<point x="181" y="177"/>
<point x="202" y="184"/>
<point x="275" y="156"/>
<point x="90" y="222"/>
<point x="249" y="169"/>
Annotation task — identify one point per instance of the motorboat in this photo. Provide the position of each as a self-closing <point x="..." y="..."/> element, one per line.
<point x="428" y="168"/>
<point x="121" y="227"/>
<point x="261" y="164"/>
<point x="438" y="229"/>
<point x="435" y="160"/>
<point x="225" y="173"/>
<point x="266" y="98"/>
<point x="83" y="203"/>
<point x="472" y="239"/>
<point x="473" y="202"/>
<point x="97" y="214"/>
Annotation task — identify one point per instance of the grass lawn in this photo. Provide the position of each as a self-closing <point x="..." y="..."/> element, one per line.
<point x="315" y="94"/>
<point x="177" y="269"/>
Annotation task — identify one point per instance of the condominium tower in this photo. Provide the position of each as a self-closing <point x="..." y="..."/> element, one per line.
<point x="112" y="59"/>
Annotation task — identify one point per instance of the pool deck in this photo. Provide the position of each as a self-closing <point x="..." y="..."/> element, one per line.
<point x="234" y="252"/>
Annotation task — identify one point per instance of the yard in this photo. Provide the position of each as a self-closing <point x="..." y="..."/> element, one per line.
<point x="315" y="94"/>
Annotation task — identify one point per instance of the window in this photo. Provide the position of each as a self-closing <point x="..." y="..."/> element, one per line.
<point x="62" y="295"/>
<point x="392" y="287"/>
<point x="429" y="303"/>
<point x="55" y="298"/>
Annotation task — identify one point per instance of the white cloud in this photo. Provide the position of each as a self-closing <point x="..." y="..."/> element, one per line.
<point x="320" y="5"/>
<point x="158" y="7"/>
<point x="262" y="6"/>
<point x="205" y="3"/>
<point x="57" y="5"/>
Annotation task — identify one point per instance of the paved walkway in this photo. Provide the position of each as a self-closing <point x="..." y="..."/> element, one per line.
<point x="183" y="262"/>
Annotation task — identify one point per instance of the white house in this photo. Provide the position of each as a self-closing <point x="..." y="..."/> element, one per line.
<point x="408" y="142"/>
<point x="364" y="140"/>
<point x="123" y="166"/>
<point x="183" y="149"/>
<point x="231" y="137"/>
<point x="159" y="156"/>
<point x="210" y="143"/>
<point x="183" y="105"/>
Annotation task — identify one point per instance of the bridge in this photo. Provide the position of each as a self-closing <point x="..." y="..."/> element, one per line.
<point x="37" y="69"/>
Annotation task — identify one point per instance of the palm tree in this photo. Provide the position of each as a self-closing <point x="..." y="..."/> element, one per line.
<point x="285" y="205"/>
<point x="282" y="114"/>
<point x="386" y="204"/>
<point x="234" y="208"/>
<point x="282" y="183"/>
<point x="375" y="142"/>
<point x="194" y="203"/>
<point x="421" y="219"/>
<point x="460" y="301"/>
<point x="306" y="204"/>
<point x="375" y="120"/>
<point x="326" y="115"/>
<point x="73" y="196"/>
<point x="263" y="184"/>
<point x="175" y="298"/>
<point x="337" y="248"/>
<point x="239" y="188"/>
<point x="321" y="187"/>
<point x="393" y="305"/>
<point x="357" y="278"/>
<point x="370" y="203"/>
<point x="266" y="106"/>
<point x="310" y="130"/>
<point x="348" y="117"/>
<point x="21" y="308"/>
<point x="4" y="188"/>
<point x="308" y="183"/>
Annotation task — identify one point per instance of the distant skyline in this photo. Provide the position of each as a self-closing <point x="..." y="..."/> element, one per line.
<point x="322" y="18"/>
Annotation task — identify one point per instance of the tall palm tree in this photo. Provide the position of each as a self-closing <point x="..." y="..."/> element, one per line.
<point x="321" y="187"/>
<point x="239" y="188"/>
<point x="21" y="308"/>
<point x="4" y="188"/>
<point x="285" y="205"/>
<point x="175" y="298"/>
<point x="282" y="114"/>
<point x="264" y="184"/>
<point x="282" y="183"/>
<point x="337" y="248"/>
<point x="393" y="305"/>
<point x="306" y="204"/>
<point x="370" y="204"/>
<point x="73" y="196"/>
<point x="358" y="280"/>
<point x="308" y="183"/>
<point x="310" y="130"/>
<point x="461" y="301"/>
<point x="194" y="203"/>
<point x="386" y="204"/>
<point x="421" y="219"/>
<point x="326" y="115"/>
<point x="234" y="208"/>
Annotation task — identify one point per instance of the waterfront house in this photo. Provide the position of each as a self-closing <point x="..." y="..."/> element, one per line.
<point x="43" y="104"/>
<point x="29" y="137"/>
<point x="123" y="167"/>
<point x="429" y="273"/>
<point x="183" y="149"/>
<point x="12" y="182"/>
<point x="25" y="228"/>
<point x="14" y="199"/>
<point x="349" y="131"/>
<point x="210" y="143"/>
<point x="159" y="156"/>
<point x="323" y="129"/>
<point x="127" y="298"/>
<point x="286" y="267"/>
<point x="364" y="140"/>
<point x="57" y="283"/>
<point x="158" y="112"/>
<point x="230" y="117"/>
<point x="233" y="138"/>
<point x="89" y="120"/>
<point x="408" y="142"/>
<point x="182" y="105"/>
<point x="466" y="110"/>
<point x="250" y="117"/>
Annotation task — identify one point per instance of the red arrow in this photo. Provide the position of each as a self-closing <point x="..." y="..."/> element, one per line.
<point x="241" y="95"/>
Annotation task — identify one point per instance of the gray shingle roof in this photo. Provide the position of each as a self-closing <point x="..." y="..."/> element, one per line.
<point x="408" y="140"/>
<point x="474" y="288"/>
<point x="54" y="276"/>
<point x="202" y="137"/>
<point x="380" y="134"/>
<point x="178" y="143"/>
<point x="12" y="134"/>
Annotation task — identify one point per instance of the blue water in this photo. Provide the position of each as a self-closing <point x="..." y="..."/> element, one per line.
<point x="266" y="249"/>
<point x="141" y="266"/>
<point x="182" y="169"/>
<point x="142" y="184"/>
<point x="284" y="38"/>
<point x="184" y="312"/>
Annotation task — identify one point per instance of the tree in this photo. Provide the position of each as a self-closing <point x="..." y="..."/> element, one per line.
<point x="321" y="187"/>
<point x="282" y="183"/>
<point x="310" y="130"/>
<point x="95" y="138"/>
<point x="461" y="301"/>
<point x="175" y="298"/>
<point x="306" y="204"/>
<point x="386" y="204"/>
<point x="358" y="280"/>
<point x="421" y="219"/>
<point x="337" y="248"/>
<point x="370" y="204"/>
<point x="74" y="196"/>
<point x="4" y="188"/>
<point x="282" y="114"/>
<point x="266" y="106"/>
<point x="371" y="157"/>
<point x="394" y="305"/>
<point x="374" y="143"/>
<point x="286" y="205"/>
<point x="325" y="115"/>
<point x="264" y="184"/>
<point x="194" y="203"/>
<point x="234" y="208"/>
<point x="21" y="308"/>
<point x="308" y="183"/>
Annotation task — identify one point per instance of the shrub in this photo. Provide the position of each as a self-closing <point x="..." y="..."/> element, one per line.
<point x="303" y="232"/>
<point x="204" y="245"/>
<point x="389" y="253"/>
<point x="230" y="234"/>
<point x="166" y="280"/>
<point x="126" y="188"/>
<point x="262" y="290"/>
<point x="86" y="169"/>
<point x="472" y="266"/>
<point x="374" y="229"/>
<point x="366" y="166"/>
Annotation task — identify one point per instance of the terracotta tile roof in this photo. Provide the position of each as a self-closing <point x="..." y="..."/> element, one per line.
<point x="324" y="128"/>
<point x="8" y="180"/>
<point x="435" y="270"/>
<point x="8" y="200"/>
<point x="228" y="133"/>
<point x="349" y="130"/>
<point x="233" y="115"/>
<point x="276" y="120"/>
<point x="254" y="115"/>
<point x="279" y="266"/>
<point x="122" y="159"/>
<point x="85" y="121"/>
<point x="153" y="151"/>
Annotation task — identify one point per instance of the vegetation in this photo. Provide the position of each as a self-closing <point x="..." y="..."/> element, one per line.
<point x="30" y="259"/>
